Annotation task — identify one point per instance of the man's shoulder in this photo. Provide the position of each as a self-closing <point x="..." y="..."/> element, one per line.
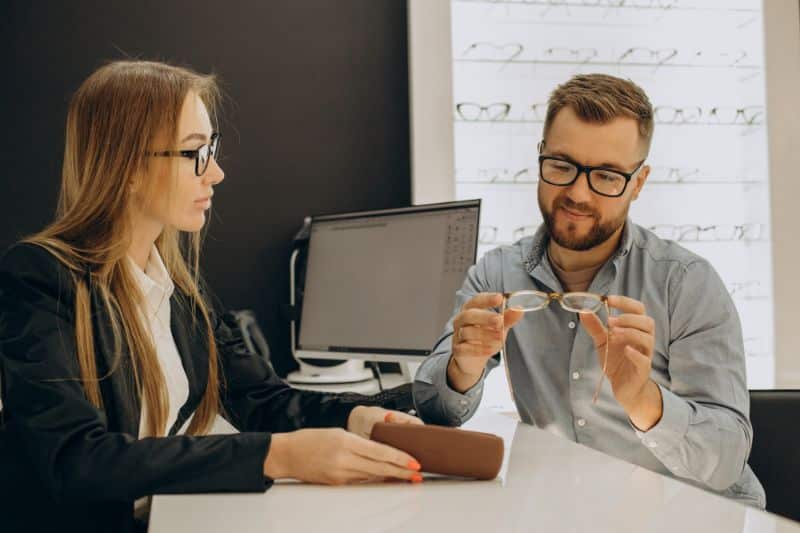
<point x="657" y="249"/>
<point x="506" y="256"/>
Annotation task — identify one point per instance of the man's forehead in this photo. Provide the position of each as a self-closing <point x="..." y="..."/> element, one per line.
<point x="618" y="140"/>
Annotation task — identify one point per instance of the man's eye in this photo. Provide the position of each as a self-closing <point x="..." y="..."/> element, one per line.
<point x="607" y="176"/>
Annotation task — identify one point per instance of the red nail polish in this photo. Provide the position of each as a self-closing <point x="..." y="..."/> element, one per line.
<point x="414" y="465"/>
<point x="388" y="417"/>
<point x="416" y="478"/>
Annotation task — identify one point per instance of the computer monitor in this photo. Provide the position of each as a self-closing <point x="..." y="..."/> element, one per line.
<point x="381" y="285"/>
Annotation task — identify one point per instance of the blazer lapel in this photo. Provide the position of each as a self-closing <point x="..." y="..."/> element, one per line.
<point x="120" y="397"/>
<point x="193" y="351"/>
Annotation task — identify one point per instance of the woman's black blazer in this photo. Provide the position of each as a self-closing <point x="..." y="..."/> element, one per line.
<point x="68" y="465"/>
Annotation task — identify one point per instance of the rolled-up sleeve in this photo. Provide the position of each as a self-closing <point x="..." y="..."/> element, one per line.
<point x="704" y="433"/>
<point x="435" y="401"/>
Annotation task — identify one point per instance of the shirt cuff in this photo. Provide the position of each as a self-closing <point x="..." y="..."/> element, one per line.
<point x="458" y="403"/>
<point x="670" y="431"/>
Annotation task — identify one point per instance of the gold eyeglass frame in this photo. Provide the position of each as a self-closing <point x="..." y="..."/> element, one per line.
<point x="602" y="300"/>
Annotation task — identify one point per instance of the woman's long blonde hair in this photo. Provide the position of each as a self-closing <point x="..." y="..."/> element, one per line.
<point x="112" y="123"/>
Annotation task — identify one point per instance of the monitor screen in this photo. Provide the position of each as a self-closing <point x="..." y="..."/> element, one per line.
<point x="384" y="282"/>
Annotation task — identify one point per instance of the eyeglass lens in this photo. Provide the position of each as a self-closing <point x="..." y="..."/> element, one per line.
<point x="204" y="154"/>
<point x="607" y="182"/>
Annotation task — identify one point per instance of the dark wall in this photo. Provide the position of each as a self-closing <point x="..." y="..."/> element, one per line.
<point x="317" y="123"/>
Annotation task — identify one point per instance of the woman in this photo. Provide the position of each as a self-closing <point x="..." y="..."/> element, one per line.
<point x="114" y="361"/>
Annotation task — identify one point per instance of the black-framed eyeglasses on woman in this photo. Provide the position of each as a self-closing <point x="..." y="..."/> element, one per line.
<point x="201" y="155"/>
<point x="602" y="180"/>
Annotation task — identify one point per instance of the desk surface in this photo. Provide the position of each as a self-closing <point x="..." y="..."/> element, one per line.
<point x="546" y="484"/>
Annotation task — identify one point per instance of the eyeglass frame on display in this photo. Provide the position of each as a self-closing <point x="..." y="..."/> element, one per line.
<point x="498" y="46"/>
<point x="756" y="119"/>
<point x="573" y="51"/>
<point x="653" y="52"/>
<point x="481" y="110"/>
<point x="683" y="229"/>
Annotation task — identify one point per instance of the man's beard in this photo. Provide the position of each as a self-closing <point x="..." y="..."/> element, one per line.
<point x="599" y="233"/>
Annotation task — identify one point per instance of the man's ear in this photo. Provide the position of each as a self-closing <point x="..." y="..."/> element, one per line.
<point x="640" y="180"/>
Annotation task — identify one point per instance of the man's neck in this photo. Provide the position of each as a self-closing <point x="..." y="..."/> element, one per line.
<point x="572" y="260"/>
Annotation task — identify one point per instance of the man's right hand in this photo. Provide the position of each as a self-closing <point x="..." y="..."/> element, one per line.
<point x="478" y="334"/>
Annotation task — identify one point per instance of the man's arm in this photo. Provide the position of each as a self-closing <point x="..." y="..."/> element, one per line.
<point x="704" y="433"/>
<point x="436" y="397"/>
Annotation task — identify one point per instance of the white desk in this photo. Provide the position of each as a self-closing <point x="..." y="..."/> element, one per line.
<point x="547" y="484"/>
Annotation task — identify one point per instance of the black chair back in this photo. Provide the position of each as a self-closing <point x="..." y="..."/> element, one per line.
<point x="775" y="457"/>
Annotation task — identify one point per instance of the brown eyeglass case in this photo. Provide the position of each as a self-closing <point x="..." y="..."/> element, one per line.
<point x="445" y="450"/>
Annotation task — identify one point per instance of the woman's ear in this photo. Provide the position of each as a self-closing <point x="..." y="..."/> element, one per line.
<point x="135" y="183"/>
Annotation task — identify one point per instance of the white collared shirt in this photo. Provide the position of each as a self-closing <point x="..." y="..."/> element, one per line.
<point x="157" y="287"/>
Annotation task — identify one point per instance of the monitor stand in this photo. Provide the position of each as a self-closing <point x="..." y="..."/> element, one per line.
<point x="351" y="371"/>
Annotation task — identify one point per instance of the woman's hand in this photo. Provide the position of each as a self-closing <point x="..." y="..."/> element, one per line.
<point x="336" y="457"/>
<point x="362" y="418"/>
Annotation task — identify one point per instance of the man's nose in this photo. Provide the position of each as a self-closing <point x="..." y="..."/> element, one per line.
<point x="580" y="191"/>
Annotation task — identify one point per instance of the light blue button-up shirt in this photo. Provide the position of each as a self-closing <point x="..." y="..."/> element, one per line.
<point x="704" y="435"/>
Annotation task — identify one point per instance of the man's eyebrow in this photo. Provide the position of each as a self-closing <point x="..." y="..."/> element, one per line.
<point x="573" y="160"/>
<point x="192" y="136"/>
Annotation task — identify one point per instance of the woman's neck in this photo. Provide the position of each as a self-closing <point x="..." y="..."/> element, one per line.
<point x="145" y="233"/>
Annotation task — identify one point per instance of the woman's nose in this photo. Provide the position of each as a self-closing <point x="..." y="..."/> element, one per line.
<point x="214" y="173"/>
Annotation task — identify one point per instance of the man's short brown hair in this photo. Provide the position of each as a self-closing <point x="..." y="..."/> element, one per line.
<point x="600" y="98"/>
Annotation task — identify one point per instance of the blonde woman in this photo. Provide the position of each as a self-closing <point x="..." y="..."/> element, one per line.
<point x="115" y="361"/>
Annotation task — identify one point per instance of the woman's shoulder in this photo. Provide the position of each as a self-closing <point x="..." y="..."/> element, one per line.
<point x="27" y="268"/>
<point x="28" y="257"/>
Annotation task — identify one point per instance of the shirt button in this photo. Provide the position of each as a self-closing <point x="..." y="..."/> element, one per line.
<point x="576" y="375"/>
<point x="463" y="402"/>
<point x="652" y="444"/>
<point x="572" y="325"/>
<point x="581" y="422"/>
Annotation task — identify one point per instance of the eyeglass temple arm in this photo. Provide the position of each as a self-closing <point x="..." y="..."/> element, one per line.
<point x="181" y="153"/>
<point x="605" y="355"/>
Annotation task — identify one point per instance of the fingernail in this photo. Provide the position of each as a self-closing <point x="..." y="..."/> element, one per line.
<point x="416" y="478"/>
<point x="388" y="417"/>
<point x="413" y="465"/>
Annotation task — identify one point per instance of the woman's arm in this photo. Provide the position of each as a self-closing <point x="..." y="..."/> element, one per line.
<point x="256" y="399"/>
<point x="64" y="437"/>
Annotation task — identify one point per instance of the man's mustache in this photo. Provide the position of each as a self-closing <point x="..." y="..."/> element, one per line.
<point x="583" y="209"/>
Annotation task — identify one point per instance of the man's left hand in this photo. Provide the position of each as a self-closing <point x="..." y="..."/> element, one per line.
<point x="630" y="357"/>
<point x="362" y="418"/>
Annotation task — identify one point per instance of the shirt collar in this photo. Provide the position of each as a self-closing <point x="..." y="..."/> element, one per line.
<point x="154" y="281"/>
<point x="537" y="246"/>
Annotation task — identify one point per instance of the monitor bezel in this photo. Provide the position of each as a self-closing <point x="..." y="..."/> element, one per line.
<point x="397" y="355"/>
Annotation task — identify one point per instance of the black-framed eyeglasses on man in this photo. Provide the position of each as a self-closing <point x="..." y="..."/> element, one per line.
<point x="201" y="155"/>
<point x="602" y="180"/>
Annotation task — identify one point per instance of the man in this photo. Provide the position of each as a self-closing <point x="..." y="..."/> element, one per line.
<point x="675" y="400"/>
